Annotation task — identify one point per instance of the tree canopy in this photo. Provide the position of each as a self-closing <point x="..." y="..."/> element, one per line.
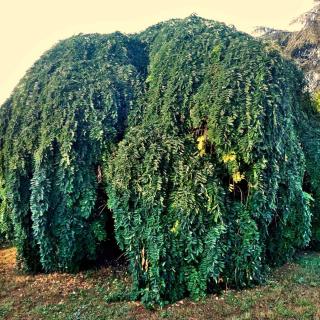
<point x="191" y="136"/>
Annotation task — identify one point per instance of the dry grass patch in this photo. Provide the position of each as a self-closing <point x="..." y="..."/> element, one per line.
<point x="293" y="292"/>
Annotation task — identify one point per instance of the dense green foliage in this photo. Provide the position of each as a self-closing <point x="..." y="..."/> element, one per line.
<point x="310" y="133"/>
<point x="194" y="135"/>
<point x="65" y="115"/>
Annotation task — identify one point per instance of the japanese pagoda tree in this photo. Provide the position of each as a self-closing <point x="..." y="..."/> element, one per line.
<point x="188" y="135"/>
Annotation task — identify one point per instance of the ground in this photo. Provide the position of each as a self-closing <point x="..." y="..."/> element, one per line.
<point x="292" y="292"/>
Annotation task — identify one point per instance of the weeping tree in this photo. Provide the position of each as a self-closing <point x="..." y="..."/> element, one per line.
<point x="65" y="116"/>
<point x="188" y="135"/>
<point x="208" y="189"/>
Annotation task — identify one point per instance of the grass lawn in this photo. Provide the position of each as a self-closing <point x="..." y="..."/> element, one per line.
<point x="292" y="292"/>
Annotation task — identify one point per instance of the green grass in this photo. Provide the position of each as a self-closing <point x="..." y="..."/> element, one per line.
<point x="5" y="309"/>
<point x="292" y="292"/>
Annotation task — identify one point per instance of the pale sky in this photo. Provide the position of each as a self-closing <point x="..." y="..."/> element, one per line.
<point x="30" y="27"/>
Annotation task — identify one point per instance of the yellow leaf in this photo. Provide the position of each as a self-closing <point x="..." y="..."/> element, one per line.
<point x="202" y="145"/>
<point x="229" y="157"/>
<point x="237" y="177"/>
<point x="176" y="227"/>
